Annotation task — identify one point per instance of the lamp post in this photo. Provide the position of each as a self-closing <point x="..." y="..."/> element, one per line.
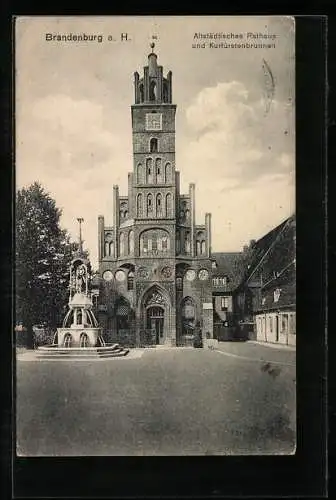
<point x="80" y="220"/>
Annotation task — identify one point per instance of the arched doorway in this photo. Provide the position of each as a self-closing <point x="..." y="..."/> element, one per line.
<point x="155" y="322"/>
<point x="157" y="319"/>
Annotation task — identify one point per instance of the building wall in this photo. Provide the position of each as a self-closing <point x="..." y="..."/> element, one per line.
<point x="276" y="327"/>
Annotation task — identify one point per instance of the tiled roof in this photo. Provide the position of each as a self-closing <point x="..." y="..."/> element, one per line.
<point x="228" y="265"/>
<point x="262" y="246"/>
<point x="287" y="297"/>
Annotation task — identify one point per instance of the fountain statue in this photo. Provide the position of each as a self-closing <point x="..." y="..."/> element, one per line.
<point x="80" y="334"/>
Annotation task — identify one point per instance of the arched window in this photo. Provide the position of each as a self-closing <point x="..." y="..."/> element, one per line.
<point x="153" y="145"/>
<point x="149" y="204"/>
<point x="122" y="244"/>
<point x="200" y="243"/>
<point x="111" y="248"/>
<point x="165" y="92"/>
<point x="178" y="242"/>
<point x="141" y="92"/>
<point x="139" y="205"/>
<point x="152" y="91"/>
<point x="140" y="177"/>
<point x="168" y="172"/>
<point x="131" y="242"/>
<point x="159" y="205"/>
<point x="154" y="242"/>
<point x="187" y="215"/>
<point x="149" y="170"/>
<point x="187" y="242"/>
<point x="158" y="169"/>
<point x="107" y="249"/>
<point x="130" y="280"/>
<point x="169" y="205"/>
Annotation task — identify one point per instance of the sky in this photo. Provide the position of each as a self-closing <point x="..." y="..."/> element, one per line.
<point x="235" y="123"/>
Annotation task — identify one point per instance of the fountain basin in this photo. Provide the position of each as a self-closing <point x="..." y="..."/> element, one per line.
<point x="53" y="351"/>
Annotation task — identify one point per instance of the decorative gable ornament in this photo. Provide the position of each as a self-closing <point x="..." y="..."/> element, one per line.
<point x="156" y="299"/>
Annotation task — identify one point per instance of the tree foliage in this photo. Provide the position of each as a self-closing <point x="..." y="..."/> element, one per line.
<point x="43" y="255"/>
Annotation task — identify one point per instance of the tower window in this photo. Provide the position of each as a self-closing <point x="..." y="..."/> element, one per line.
<point x="141" y="92"/>
<point x="149" y="204"/>
<point x="153" y="145"/>
<point x="152" y="91"/>
<point x="168" y="172"/>
<point x="139" y="205"/>
<point x="159" y="205"/>
<point x="165" y="92"/>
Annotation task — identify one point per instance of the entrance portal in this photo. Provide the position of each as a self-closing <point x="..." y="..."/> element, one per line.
<point x="155" y="322"/>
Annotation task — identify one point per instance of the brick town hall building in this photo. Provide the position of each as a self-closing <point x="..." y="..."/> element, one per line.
<point x="155" y="268"/>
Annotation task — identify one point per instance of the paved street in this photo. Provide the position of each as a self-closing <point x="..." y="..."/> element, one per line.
<point x="237" y="400"/>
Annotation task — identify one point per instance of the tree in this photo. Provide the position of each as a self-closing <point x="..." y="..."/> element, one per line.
<point x="43" y="255"/>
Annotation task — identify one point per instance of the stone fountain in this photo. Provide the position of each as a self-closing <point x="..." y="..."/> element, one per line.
<point x="80" y="335"/>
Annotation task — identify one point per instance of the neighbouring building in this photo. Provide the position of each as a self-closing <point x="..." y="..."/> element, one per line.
<point x="155" y="267"/>
<point x="266" y="298"/>
<point x="226" y="275"/>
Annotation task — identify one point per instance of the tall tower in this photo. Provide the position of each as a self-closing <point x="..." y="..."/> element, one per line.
<point x="153" y="128"/>
<point x="154" y="261"/>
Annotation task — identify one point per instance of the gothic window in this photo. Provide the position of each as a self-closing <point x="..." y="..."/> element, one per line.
<point x="149" y="170"/>
<point x="187" y="215"/>
<point x="122" y="244"/>
<point x="168" y="172"/>
<point x="159" y="205"/>
<point x="178" y="242"/>
<point x="169" y="205"/>
<point x="130" y="281"/>
<point x="152" y="91"/>
<point x="141" y="92"/>
<point x="131" y="242"/>
<point x="182" y="215"/>
<point x="187" y="242"/>
<point x="165" y="92"/>
<point x="107" y="249"/>
<point x="139" y="205"/>
<point x="153" y="145"/>
<point x="154" y="242"/>
<point x="125" y="214"/>
<point x="149" y="205"/>
<point x="200" y="243"/>
<point x="158" y="170"/>
<point x="111" y="248"/>
<point x="140" y="174"/>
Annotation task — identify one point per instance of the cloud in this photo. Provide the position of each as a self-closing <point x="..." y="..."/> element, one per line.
<point x="234" y="139"/>
<point x="65" y="144"/>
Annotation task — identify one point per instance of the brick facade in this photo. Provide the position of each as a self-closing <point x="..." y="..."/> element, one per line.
<point x="155" y="261"/>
